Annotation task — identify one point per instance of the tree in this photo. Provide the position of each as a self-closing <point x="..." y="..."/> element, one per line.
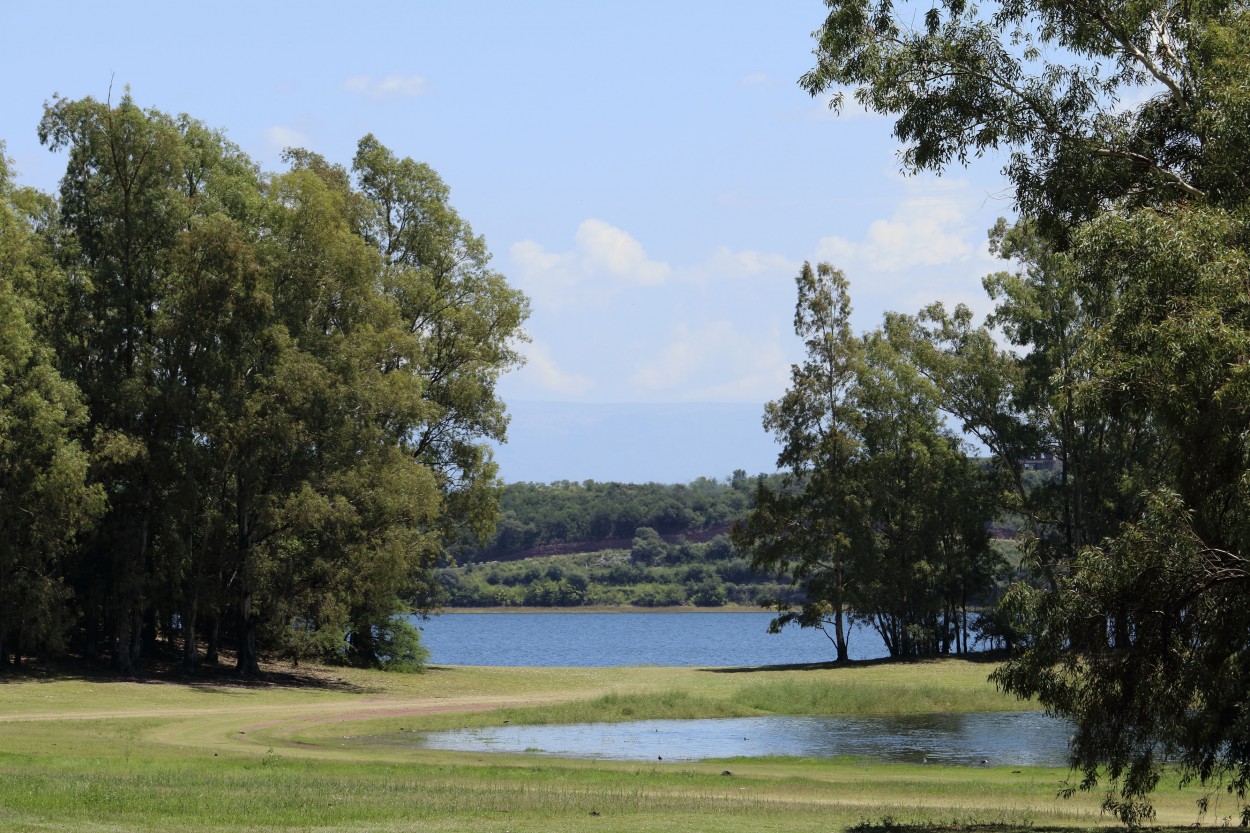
<point x="289" y="381"/>
<point x="814" y="527"/>
<point x="1142" y="641"/>
<point x="928" y="506"/>
<point x="1021" y="404"/>
<point x="1142" y="637"/>
<point x="1044" y="80"/>
<point x="45" y="499"/>
<point x="884" y="516"/>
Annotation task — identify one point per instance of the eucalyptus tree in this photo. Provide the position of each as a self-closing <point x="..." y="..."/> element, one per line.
<point x="454" y="328"/>
<point x="1046" y="82"/>
<point x="289" y="411"/>
<point x="45" y="499"/>
<point x="121" y="202"/>
<point x="1142" y="638"/>
<point x="928" y="505"/>
<point x="814" y="528"/>
<point x="883" y="517"/>
<point x="1019" y="399"/>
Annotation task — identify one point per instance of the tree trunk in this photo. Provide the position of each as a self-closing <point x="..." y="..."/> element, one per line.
<point x="148" y="633"/>
<point x="123" y="659"/>
<point x="211" y="653"/>
<point x="839" y="635"/>
<point x="190" y="643"/>
<point x="248" y="663"/>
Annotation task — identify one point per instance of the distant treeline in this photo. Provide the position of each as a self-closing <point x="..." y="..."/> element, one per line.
<point x="646" y="572"/>
<point x="534" y="515"/>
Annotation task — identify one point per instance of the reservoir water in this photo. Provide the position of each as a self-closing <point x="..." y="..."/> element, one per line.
<point x="993" y="739"/>
<point x="738" y="639"/>
<point x="609" y="639"/>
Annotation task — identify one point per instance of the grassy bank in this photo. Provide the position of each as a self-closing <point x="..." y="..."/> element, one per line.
<point x="206" y="755"/>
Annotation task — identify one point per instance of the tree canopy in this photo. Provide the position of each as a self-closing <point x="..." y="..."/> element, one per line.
<point x="884" y="516"/>
<point x="274" y="390"/>
<point x="1126" y="128"/>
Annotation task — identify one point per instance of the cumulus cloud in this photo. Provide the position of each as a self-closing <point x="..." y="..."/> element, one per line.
<point x="606" y="248"/>
<point x="388" y="86"/>
<point x="727" y="263"/>
<point x="715" y="361"/>
<point x="281" y="136"/>
<point x="542" y="370"/>
<point x="925" y="231"/>
<point x="604" y="258"/>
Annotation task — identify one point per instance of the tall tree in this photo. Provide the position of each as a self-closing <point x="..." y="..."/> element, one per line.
<point x="290" y="394"/>
<point x="928" y="506"/>
<point x="814" y="528"/>
<point x="883" y="517"/>
<point x="45" y="500"/>
<point x="120" y="201"/>
<point x="1141" y="642"/>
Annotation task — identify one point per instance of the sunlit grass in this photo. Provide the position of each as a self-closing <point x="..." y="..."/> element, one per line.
<point x="93" y="755"/>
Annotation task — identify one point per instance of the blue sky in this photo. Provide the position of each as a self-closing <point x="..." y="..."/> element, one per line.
<point x="649" y="173"/>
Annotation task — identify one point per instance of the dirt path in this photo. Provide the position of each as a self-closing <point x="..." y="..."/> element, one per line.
<point x="332" y="711"/>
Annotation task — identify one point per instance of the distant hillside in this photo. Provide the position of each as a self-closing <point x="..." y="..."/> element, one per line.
<point x="697" y="536"/>
<point x="647" y="572"/>
<point x="566" y="517"/>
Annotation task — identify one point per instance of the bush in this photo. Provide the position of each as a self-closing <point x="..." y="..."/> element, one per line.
<point x="709" y="593"/>
<point x="659" y="595"/>
<point x="648" y="547"/>
<point x="399" y="646"/>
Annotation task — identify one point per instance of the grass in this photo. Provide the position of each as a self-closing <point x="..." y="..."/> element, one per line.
<point x="81" y="754"/>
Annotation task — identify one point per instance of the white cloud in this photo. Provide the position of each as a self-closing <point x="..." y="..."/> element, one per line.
<point x="281" y="136"/>
<point x="388" y="86"/>
<point x="725" y="263"/>
<point x="604" y="247"/>
<point x="541" y="368"/>
<point x="924" y="231"/>
<point x="716" y="362"/>
<point x="604" y="259"/>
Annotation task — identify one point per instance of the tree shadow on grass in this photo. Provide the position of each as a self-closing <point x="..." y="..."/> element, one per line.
<point x="891" y="825"/>
<point x="168" y="670"/>
<point x="986" y="657"/>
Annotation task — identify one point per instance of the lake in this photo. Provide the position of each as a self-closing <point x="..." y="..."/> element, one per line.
<point x="711" y="640"/>
<point x="613" y="639"/>
<point x="996" y="739"/>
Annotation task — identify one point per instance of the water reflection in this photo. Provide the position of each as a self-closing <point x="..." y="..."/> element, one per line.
<point x="997" y="739"/>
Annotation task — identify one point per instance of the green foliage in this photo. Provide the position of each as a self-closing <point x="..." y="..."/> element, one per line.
<point x="705" y="575"/>
<point x="885" y="515"/>
<point x="535" y="514"/>
<point x="1130" y="310"/>
<point x="398" y="646"/>
<point x="289" y="385"/>
<point x="46" y="499"/>
<point x="648" y="548"/>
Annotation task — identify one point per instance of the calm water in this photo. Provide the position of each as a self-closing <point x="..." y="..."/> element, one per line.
<point x="607" y="639"/>
<point x="1005" y="739"/>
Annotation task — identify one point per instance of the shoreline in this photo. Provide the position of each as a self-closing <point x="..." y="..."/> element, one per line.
<point x="604" y="609"/>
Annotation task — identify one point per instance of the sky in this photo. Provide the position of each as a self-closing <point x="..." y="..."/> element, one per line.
<point x="649" y="173"/>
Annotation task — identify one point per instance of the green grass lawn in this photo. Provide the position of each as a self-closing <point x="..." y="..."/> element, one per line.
<point x="83" y="754"/>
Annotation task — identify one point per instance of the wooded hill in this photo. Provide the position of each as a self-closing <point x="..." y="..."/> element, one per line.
<point x="564" y="517"/>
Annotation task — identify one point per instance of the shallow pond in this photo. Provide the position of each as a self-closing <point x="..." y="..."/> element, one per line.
<point x="993" y="739"/>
